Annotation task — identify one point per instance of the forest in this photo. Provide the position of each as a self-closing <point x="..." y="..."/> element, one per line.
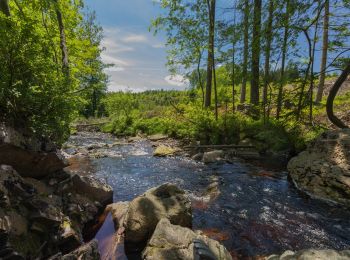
<point x="247" y="157"/>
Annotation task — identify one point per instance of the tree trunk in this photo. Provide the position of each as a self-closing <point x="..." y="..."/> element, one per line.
<point x="199" y="76"/>
<point x="332" y="94"/>
<point x="324" y="52"/>
<point x="63" y="42"/>
<point x="267" y="54"/>
<point x="210" y="62"/>
<point x="284" y="54"/>
<point x="245" y="52"/>
<point x="254" y="88"/>
<point x="4" y="7"/>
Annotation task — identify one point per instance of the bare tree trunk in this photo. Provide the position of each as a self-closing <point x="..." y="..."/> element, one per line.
<point x="254" y="88"/>
<point x="245" y="52"/>
<point x="324" y="52"/>
<point x="233" y="77"/>
<point x="211" y="12"/>
<point x="267" y="54"/>
<point x="332" y="94"/>
<point x="199" y="76"/>
<point x="63" y="42"/>
<point x="4" y="7"/>
<point x="284" y="54"/>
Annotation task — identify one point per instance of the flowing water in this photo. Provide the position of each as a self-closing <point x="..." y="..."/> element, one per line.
<point x="257" y="212"/>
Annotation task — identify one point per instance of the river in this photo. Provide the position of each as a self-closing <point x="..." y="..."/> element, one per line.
<point x="256" y="212"/>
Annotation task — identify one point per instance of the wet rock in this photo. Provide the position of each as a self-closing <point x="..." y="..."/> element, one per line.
<point x="311" y="254"/>
<point x="323" y="169"/>
<point x="165" y="201"/>
<point x="29" y="155"/>
<point x="119" y="211"/>
<point x="157" y="137"/>
<point x="197" y="157"/>
<point x="93" y="189"/>
<point x="69" y="238"/>
<point x="172" y="242"/>
<point x="88" y="251"/>
<point x="162" y="151"/>
<point x="212" y="156"/>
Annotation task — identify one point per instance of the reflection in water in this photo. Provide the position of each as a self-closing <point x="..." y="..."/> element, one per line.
<point x="254" y="211"/>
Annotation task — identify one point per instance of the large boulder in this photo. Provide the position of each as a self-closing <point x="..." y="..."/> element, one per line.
<point x="165" y="201"/>
<point x="323" y="169"/>
<point x="311" y="254"/>
<point x="29" y="155"/>
<point x="172" y="242"/>
<point x="163" y="150"/>
<point x="212" y="156"/>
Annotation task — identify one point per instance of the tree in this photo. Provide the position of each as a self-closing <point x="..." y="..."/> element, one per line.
<point x="4" y="7"/>
<point x="254" y="88"/>
<point x="245" y="51"/>
<point x="324" y="53"/>
<point x="284" y="54"/>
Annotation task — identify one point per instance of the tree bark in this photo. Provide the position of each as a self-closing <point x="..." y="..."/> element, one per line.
<point x="254" y="88"/>
<point x="324" y="53"/>
<point x="63" y="42"/>
<point x="332" y="94"/>
<point x="267" y="54"/>
<point x="210" y="62"/>
<point x="284" y="54"/>
<point x="245" y="52"/>
<point x="4" y="7"/>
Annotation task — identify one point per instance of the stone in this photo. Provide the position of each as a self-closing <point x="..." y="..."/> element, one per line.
<point x="118" y="211"/>
<point x="163" y="150"/>
<point x="69" y="238"/>
<point x="157" y="137"/>
<point x="197" y="157"/>
<point x="173" y="242"/>
<point x="30" y="156"/>
<point x="311" y="254"/>
<point x="93" y="189"/>
<point x="88" y="251"/>
<point x="323" y="170"/>
<point x="212" y="156"/>
<point x="165" y="201"/>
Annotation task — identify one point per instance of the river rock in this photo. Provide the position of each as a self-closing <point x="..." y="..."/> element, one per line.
<point x="197" y="157"/>
<point x="165" y="201"/>
<point x="212" y="156"/>
<point x="172" y="242"/>
<point x="118" y="211"/>
<point x="93" y="189"/>
<point x="157" y="137"/>
<point x="27" y="154"/>
<point x="323" y="169"/>
<point x="311" y="254"/>
<point x="163" y="150"/>
<point x="88" y="251"/>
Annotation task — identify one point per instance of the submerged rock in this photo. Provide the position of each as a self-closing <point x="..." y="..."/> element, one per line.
<point x="165" y="201"/>
<point x="172" y="242"/>
<point x="311" y="254"/>
<point x="213" y="156"/>
<point x="324" y="168"/>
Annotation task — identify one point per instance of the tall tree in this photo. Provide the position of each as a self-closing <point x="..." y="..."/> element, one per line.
<point x="284" y="55"/>
<point x="245" y="51"/>
<point x="4" y="7"/>
<point x="210" y="61"/>
<point x="324" y="53"/>
<point x="254" y="88"/>
<point x="268" y="31"/>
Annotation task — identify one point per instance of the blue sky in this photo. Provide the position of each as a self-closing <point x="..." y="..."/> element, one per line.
<point x="138" y="55"/>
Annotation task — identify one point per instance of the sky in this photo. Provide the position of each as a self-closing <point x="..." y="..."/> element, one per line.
<point x="138" y="56"/>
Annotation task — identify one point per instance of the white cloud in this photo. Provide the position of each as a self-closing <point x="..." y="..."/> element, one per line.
<point x="113" y="60"/>
<point x="135" y="38"/>
<point x="177" y="80"/>
<point x="114" y="69"/>
<point x="158" y="45"/>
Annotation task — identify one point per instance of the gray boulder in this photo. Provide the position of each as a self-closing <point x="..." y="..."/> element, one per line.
<point x="172" y="242"/>
<point x="212" y="156"/>
<point x="323" y="170"/>
<point x="165" y="201"/>
<point x="311" y="254"/>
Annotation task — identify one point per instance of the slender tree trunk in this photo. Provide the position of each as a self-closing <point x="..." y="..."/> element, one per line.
<point x="311" y="91"/>
<point x="215" y="92"/>
<point x="4" y="7"/>
<point x="245" y="52"/>
<point x="233" y="76"/>
<point x="210" y="62"/>
<point x="267" y="54"/>
<point x="284" y="54"/>
<point x="199" y="77"/>
<point x="332" y="94"/>
<point x="63" y="42"/>
<point x="254" y="88"/>
<point x="324" y="52"/>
